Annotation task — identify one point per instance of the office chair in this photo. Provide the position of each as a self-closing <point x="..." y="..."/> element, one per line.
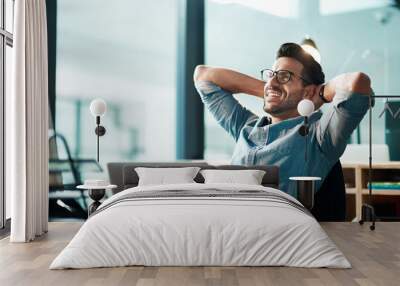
<point x="330" y="199"/>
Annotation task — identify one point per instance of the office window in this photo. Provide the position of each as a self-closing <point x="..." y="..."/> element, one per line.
<point x="8" y="93"/>
<point x="125" y="53"/>
<point x="6" y="42"/>
<point x="351" y="36"/>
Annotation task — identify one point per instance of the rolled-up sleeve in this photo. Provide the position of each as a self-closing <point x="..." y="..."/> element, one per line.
<point x="339" y="121"/>
<point x="228" y="112"/>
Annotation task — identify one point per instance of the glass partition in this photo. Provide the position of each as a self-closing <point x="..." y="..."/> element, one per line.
<point x="123" y="52"/>
<point x="127" y="57"/>
<point x="351" y="36"/>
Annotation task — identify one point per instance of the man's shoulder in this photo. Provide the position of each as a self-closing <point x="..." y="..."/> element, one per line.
<point x="206" y="86"/>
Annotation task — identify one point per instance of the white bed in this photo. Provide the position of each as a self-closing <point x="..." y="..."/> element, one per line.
<point x="269" y="228"/>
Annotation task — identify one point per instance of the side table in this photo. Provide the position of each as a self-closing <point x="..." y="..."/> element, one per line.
<point x="96" y="193"/>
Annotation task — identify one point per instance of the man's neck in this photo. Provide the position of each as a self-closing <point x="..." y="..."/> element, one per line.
<point x="281" y="117"/>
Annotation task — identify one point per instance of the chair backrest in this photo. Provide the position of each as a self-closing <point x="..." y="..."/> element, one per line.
<point x="56" y="177"/>
<point x="330" y="199"/>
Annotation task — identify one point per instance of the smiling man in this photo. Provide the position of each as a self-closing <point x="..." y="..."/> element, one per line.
<point x="274" y="139"/>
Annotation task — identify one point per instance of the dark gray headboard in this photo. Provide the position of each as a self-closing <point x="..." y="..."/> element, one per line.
<point x="124" y="176"/>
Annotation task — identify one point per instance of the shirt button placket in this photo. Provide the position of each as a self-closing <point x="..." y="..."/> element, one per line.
<point x="255" y="154"/>
<point x="250" y="157"/>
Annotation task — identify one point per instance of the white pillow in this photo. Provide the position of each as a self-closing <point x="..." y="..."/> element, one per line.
<point x="248" y="177"/>
<point x="164" y="176"/>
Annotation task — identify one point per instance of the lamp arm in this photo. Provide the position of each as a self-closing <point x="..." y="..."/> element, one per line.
<point x="98" y="146"/>
<point x="98" y="141"/>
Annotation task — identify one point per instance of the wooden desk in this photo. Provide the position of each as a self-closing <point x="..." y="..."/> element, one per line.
<point x="356" y="179"/>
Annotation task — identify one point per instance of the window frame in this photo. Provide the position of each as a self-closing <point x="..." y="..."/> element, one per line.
<point x="6" y="39"/>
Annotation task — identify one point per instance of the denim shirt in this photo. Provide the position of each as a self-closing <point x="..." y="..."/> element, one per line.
<point x="258" y="142"/>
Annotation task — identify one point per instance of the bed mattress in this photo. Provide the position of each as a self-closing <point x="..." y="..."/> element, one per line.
<point x="201" y="225"/>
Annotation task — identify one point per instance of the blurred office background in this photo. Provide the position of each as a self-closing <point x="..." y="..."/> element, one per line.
<point x="126" y="53"/>
<point x="130" y="53"/>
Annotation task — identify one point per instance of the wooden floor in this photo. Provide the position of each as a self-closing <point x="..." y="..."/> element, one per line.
<point x="375" y="257"/>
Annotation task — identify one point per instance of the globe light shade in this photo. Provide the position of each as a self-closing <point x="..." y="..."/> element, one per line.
<point x="305" y="107"/>
<point x="313" y="52"/>
<point x="98" y="107"/>
<point x="310" y="47"/>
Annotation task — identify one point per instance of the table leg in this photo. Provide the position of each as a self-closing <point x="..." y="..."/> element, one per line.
<point x="359" y="193"/>
<point x="96" y="195"/>
<point x="305" y="193"/>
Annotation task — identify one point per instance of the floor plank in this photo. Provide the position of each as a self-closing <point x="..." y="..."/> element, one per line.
<point x="374" y="255"/>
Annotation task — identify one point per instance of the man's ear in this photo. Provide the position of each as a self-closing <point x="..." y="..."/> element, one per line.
<point x="309" y="91"/>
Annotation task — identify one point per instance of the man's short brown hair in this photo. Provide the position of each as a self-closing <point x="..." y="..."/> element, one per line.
<point x="312" y="70"/>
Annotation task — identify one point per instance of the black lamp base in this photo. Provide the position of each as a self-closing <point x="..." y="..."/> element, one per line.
<point x="100" y="130"/>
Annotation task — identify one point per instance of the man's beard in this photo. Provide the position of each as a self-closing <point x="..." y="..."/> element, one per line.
<point x="282" y="108"/>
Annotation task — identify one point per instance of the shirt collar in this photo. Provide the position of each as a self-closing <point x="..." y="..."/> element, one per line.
<point x="265" y="120"/>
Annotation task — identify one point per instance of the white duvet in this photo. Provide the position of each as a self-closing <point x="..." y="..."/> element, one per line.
<point x="200" y="231"/>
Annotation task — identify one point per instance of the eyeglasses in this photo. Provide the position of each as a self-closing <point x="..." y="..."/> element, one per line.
<point x="282" y="76"/>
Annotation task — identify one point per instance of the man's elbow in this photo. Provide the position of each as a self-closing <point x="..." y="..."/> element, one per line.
<point x="360" y="83"/>
<point x="201" y="72"/>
